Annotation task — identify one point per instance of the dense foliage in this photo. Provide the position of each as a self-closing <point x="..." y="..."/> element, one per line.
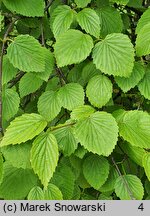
<point x="75" y="111"/>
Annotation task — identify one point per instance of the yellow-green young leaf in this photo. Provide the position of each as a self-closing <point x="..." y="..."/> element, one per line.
<point x="96" y="170"/>
<point x="144" y="84"/>
<point x="110" y="20"/>
<point x="23" y="128"/>
<point x="126" y="83"/>
<point x="62" y="20"/>
<point x="49" y="65"/>
<point x="145" y="18"/>
<point x="66" y="140"/>
<point x="89" y="21"/>
<point x="1" y="168"/>
<point x="71" y="95"/>
<point x="72" y="47"/>
<point x="8" y="70"/>
<point x="29" y="83"/>
<point x="99" y="90"/>
<point x="26" y="8"/>
<point x="89" y="71"/>
<point x="52" y="193"/>
<point x="143" y="41"/>
<point x="82" y="112"/>
<point x="83" y="3"/>
<point x="114" y="55"/>
<point x="10" y="103"/>
<point x="36" y="193"/>
<point x="135" y="153"/>
<point x="123" y="2"/>
<point x="128" y="187"/>
<point x="44" y="156"/>
<point x="134" y="127"/>
<point x="18" y="155"/>
<point x="64" y="179"/>
<point x="109" y="185"/>
<point x="49" y="105"/>
<point x="146" y="164"/>
<point x="17" y="183"/>
<point x="98" y="133"/>
<point x="26" y="54"/>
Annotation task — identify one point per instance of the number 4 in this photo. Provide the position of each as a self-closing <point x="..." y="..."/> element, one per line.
<point x="141" y="207"/>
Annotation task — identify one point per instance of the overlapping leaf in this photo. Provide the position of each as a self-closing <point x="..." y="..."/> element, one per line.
<point x="10" y="104"/>
<point x="134" y="127"/>
<point x="126" y="83"/>
<point x="72" y="47"/>
<point x="110" y="20"/>
<point x="49" y="105"/>
<point x="71" y="95"/>
<point x="96" y="170"/>
<point x="26" y="54"/>
<point x="99" y="90"/>
<point x="146" y="164"/>
<point x="144" y="86"/>
<point x="44" y="156"/>
<point x="82" y="112"/>
<point x="27" y="8"/>
<point x="52" y="193"/>
<point x="129" y="187"/>
<point x="114" y="55"/>
<point x="83" y="3"/>
<point x="89" y="21"/>
<point x="23" y="128"/>
<point x="29" y="83"/>
<point x="144" y="20"/>
<point x="36" y="193"/>
<point x="98" y="133"/>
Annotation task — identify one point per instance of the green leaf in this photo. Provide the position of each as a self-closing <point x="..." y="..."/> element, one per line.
<point x="36" y="193"/>
<point x="44" y="156"/>
<point x="23" y="128"/>
<point x="144" y="20"/>
<point x="126" y="83"/>
<point x="10" y="103"/>
<point x="146" y="164"/>
<point x="98" y="133"/>
<point x="26" y="54"/>
<point x="135" y="4"/>
<point x="52" y="193"/>
<point x="66" y="140"/>
<point x="89" y="71"/>
<point x="27" y="87"/>
<point x="49" y="105"/>
<point x="8" y="70"/>
<point x="143" y="41"/>
<point x="63" y="19"/>
<point x="82" y="112"/>
<point x="109" y="185"/>
<point x="49" y="66"/>
<point x="134" y="127"/>
<point x="123" y="2"/>
<point x="96" y="170"/>
<point x="72" y="47"/>
<point x="80" y="151"/>
<point x="71" y="95"/>
<point x="89" y="21"/>
<point x="99" y="90"/>
<point x="110" y="20"/>
<point x="83" y="3"/>
<point x="135" y="153"/>
<point x="144" y="86"/>
<point x="26" y="8"/>
<point x="64" y="179"/>
<point x="18" y="155"/>
<point x="1" y="168"/>
<point x="16" y="182"/>
<point x="114" y="55"/>
<point x="129" y="187"/>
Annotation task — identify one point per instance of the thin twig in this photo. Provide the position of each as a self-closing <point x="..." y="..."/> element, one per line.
<point x="42" y="33"/>
<point x="48" y="5"/>
<point x="61" y="76"/>
<point x="62" y="126"/>
<point x="124" y="180"/>
<point x="14" y="81"/>
<point x="1" y="67"/>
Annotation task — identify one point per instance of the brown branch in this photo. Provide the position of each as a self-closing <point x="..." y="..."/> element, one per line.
<point x="42" y="33"/>
<point x="17" y="79"/>
<point x="61" y="76"/>
<point x="1" y="66"/>
<point x="48" y="5"/>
